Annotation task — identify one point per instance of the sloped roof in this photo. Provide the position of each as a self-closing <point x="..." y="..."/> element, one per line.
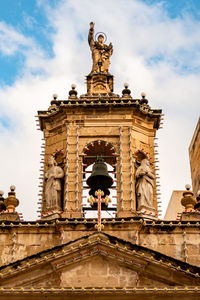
<point x="165" y="269"/>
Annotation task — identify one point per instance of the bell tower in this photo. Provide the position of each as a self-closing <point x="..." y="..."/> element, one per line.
<point x="118" y="128"/>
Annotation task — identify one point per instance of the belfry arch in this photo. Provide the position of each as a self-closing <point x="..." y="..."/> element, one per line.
<point x="91" y="152"/>
<point x="99" y="148"/>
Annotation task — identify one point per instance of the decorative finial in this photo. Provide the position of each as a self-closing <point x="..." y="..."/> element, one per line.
<point x="55" y="96"/>
<point x="12" y="188"/>
<point x="73" y="86"/>
<point x="188" y="200"/>
<point x="73" y="93"/>
<point x="188" y="186"/>
<point x="11" y="202"/>
<point x="143" y="100"/>
<point x="54" y="102"/>
<point x="126" y="92"/>
<point x="143" y="95"/>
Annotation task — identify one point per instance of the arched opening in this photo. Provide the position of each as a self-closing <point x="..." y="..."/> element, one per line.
<point x="90" y="153"/>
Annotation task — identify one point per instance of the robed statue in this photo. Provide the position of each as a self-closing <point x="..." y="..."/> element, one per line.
<point x="101" y="52"/>
<point x="144" y="185"/>
<point x="53" y="184"/>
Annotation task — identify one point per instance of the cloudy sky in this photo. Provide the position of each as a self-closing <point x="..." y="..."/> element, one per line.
<point x="43" y="50"/>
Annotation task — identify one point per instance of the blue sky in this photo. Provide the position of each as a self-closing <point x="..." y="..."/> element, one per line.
<point x="29" y="18"/>
<point x="43" y="50"/>
<point x="179" y="8"/>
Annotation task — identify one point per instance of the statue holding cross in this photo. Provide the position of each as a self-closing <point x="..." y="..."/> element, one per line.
<point x="101" y="52"/>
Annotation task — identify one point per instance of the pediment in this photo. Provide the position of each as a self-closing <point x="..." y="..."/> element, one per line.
<point x="98" y="260"/>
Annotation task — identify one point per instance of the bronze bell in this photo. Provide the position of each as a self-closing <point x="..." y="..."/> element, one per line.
<point x="99" y="179"/>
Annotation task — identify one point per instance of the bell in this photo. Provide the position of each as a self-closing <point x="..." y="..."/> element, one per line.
<point x="99" y="179"/>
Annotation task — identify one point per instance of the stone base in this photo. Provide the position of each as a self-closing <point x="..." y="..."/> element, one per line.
<point x="98" y="83"/>
<point x="71" y="214"/>
<point x="126" y="214"/>
<point x="147" y="212"/>
<point x="51" y="216"/>
<point x="190" y="216"/>
<point x="9" y="216"/>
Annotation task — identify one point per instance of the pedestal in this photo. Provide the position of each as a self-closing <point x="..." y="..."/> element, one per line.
<point x="9" y="216"/>
<point x="126" y="214"/>
<point x="147" y="212"/>
<point x="71" y="214"/>
<point x="51" y="216"/>
<point x="99" y="83"/>
<point x="190" y="216"/>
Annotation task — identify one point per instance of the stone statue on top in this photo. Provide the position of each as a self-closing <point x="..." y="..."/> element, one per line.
<point x="101" y="52"/>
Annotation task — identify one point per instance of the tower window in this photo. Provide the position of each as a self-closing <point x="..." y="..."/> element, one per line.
<point x="91" y="153"/>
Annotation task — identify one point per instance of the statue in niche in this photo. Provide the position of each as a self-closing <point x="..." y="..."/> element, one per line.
<point x="53" y="184"/>
<point x="101" y="52"/>
<point x="144" y="185"/>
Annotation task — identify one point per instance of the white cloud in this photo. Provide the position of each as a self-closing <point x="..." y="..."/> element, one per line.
<point x="138" y="32"/>
<point x="12" y="41"/>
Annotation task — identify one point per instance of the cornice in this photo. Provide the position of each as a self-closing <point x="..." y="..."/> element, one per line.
<point x="102" y="102"/>
<point x="103" y="244"/>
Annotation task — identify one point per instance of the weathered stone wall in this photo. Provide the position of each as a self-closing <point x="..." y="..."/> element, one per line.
<point x="194" y="152"/>
<point x="177" y="241"/>
<point x="102" y="272"/>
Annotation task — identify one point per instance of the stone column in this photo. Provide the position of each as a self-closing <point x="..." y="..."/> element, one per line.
<point x="126" y="203"/>
<point x="72" y="207"/>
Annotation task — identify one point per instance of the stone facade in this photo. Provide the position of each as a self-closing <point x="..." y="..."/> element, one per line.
<point x="75" y="127"/>
<point x="98" y="263"/>
<point x="63" y="254"/>
<point x="194" y="152"/>
<point x="181" y="237"/>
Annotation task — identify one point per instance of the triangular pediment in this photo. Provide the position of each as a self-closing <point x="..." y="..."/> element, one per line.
<point x="98" y="260"/>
